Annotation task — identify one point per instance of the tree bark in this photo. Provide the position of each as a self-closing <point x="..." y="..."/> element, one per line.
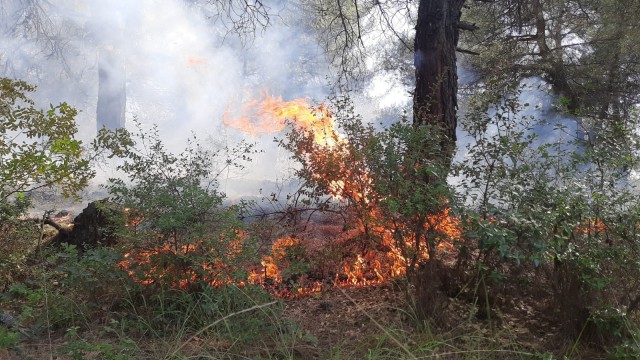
<point x="435" y="105"/>
<point x="435" y="97"/>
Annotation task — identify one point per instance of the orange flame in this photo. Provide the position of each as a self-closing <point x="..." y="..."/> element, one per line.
<point x="591" y="227"/>
<point x="163" y="265"/>
<point x="348" y="183"/>
<point x="390" y="257"/>
<point x="270" y="114"/>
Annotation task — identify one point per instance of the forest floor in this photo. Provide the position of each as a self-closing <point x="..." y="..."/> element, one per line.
<point x="356" y="323"/>
<point x="372" y="322"/>
<point x="366" y="322"/>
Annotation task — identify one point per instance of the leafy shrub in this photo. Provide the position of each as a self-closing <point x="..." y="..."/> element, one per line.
<point x="17" y="240"/>
<point x="37" y="148"/>
<point x="392" y="186"/>
<point x="566" y="206"/>
<point x="96" y="269"/>
<point x="181" y="232"/>
<point x="391" y="181"/>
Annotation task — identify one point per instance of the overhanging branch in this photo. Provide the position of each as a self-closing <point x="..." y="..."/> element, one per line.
<point x="465" y="51"/>
<point x="464" y="25"/>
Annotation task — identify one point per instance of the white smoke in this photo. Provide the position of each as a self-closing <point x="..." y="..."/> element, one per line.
<point x="183" y="70"/>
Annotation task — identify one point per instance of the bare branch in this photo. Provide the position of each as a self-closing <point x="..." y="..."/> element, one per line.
<point x="393" y="30"/>
<point x="465" y="51"/>
<point x="463" y="25"/>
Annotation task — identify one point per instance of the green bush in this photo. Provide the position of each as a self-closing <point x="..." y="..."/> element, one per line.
<point x="8" y="338"/>
<point x="37" y="148"/>
<point x="567" y="207"/>
<point x="182" y="234"/>
<point x="18" y="238"/>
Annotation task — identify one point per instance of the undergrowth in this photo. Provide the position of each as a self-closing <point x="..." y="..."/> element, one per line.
<point x="536" y="238"/>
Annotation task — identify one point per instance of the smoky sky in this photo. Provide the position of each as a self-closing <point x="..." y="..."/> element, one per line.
<point x="183" y="68"/>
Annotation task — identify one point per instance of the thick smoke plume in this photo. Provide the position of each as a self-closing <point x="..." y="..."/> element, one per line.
<point x="178" y="67"/>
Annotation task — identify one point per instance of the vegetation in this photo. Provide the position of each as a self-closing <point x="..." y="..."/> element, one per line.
<point x="553" y="217"/>
<point x="38" y="148"/>
<point x="173" y="203"/>
<point x="525" y="246"/>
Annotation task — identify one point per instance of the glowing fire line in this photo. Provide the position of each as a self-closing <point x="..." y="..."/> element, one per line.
<point x="369" y="267"/>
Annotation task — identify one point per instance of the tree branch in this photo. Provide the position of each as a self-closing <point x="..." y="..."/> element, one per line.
<point x="465" y="51"/>
<point x="464" y="25"/>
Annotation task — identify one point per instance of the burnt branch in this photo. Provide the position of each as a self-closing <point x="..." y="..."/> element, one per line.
<point x="55" y="225"/>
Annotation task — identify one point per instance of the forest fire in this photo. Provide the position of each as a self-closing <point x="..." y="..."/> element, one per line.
<point x="372" y="264"/>
<point x="174" y="264"/>
<point x="375" y="251"/>
<point x="270" y="115"/>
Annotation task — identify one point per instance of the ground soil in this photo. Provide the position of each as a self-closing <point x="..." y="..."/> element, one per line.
<point x="349" y="323"/>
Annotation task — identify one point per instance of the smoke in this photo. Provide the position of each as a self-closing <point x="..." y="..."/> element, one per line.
<point x="183" y="69"/>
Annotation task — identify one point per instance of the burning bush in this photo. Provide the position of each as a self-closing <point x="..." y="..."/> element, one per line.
<point x="392" y="184"/>
<point x="182" y="234"/>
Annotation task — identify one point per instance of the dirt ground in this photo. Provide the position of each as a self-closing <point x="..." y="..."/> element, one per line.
<point x="350" y="323"/>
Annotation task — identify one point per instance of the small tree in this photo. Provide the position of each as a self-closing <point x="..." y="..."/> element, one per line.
<point x="567" y="207"/>
<point x="185" y="236"/>
<point x="38" y="148"/>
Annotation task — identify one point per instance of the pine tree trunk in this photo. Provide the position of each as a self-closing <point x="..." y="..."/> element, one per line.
<point x="435" y="104"/>
<point x="434" y="101"/>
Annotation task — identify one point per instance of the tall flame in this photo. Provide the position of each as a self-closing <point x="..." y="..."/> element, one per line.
<point x="370" y="266"/>
<point x="270" y="114"/>
<point x="374" y="263"/>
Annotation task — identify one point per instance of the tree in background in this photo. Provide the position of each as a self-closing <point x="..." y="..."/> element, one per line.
<point x="584" y="49"/>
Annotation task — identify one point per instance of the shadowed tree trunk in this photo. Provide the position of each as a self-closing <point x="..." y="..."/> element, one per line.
<point x="109" y="32"/>
<point x="434" y="101"/>
<point x="111" y="90"/>
<point x="435" y="104"/>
